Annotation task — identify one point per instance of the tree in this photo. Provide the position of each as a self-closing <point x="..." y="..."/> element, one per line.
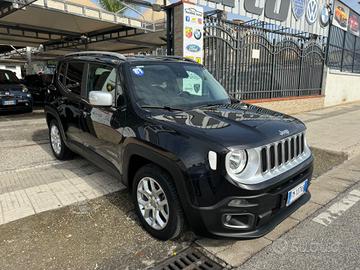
<point x="111" y="5"/>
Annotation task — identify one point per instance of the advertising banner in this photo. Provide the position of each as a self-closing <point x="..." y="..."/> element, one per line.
<point x="354" y="23"/>
<point x="193" y="28"/>
<point x="341" y="15"/>
<point x="310" y="16"/>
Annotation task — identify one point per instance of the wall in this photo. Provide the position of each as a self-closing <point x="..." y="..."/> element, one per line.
<point x="341" y="87"/>
<point x="178" y="30"/>
<point x="13" y="67"/>
<point x="291" y="105"/>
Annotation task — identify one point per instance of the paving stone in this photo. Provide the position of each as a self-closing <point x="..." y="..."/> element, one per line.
<point x="282" y="228"/>
<point x="242" y="250"/>
<point x="305" y="210"/>
<point x="18" y="213"/>
<point x="320" y="195"/>
<point x="214" y="246"/>
<point x="345" y="173"/>
<point x="333" y="184"/>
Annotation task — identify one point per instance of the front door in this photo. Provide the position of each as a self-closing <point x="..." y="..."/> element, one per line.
<point x="101" y="135"/>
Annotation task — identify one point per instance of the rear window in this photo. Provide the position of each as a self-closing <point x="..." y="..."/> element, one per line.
<point x="8" y="77"/>
<point x="74" y="75"/>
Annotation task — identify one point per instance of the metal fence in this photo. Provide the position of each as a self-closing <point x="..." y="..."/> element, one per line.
<point x="261" y="62"/>
<point x="343" y="51"/>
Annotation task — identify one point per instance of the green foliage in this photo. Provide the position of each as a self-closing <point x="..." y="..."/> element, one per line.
<point x="111" y="5"/>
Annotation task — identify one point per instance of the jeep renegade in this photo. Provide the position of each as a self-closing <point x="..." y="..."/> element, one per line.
<point x="188" y="153"/>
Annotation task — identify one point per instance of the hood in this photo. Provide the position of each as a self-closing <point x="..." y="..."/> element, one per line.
<point x="11" y="87"/>
<point x="233" y="124"/>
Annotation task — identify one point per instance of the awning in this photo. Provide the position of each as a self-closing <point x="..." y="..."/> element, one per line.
<point x="62" y="26"/>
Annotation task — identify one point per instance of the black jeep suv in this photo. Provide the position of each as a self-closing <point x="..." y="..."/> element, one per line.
<point x="187" y="152"/>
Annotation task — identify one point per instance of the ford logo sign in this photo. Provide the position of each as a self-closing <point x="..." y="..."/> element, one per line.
<point x="193" y="48"/>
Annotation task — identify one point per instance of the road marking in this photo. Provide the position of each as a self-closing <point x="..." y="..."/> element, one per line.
<point x="338" y="208"/>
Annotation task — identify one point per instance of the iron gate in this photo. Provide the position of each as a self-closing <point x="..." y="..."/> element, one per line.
<point x="261" y="63"/>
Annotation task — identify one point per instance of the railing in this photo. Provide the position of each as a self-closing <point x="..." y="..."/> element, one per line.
<point x="258" y="63"/>
<point x="343" y="51"/>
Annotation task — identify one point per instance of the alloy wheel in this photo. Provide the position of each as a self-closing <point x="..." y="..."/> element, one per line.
<point x="55" y="139"/>
<point x="153" y="203"/>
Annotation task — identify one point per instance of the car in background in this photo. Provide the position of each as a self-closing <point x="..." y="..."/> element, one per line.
<point x="340" y="16"/>
<point x="13" y="94"/>
<point x="37" y="85"/>
<point x="354" y="23"/>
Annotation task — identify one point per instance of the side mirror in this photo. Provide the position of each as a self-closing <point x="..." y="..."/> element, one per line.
<point x="100" y="98"/>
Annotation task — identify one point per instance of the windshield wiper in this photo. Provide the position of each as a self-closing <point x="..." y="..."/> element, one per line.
<point x="168" y="108"/>
<point x="210" y="105"/>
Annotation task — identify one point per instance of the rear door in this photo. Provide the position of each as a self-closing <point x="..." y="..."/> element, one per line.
<point x="101" y="125"/>
<point x="71" y="81"/>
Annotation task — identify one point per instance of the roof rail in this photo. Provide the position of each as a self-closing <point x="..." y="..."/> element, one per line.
<point x="174" y="57"/>
<point x="99" y="53"/>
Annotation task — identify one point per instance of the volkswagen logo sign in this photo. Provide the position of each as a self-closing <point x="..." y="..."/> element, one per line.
<point x="324" y="16"/>
<point x="312" y="10"/>
<point x="298" y="8"/>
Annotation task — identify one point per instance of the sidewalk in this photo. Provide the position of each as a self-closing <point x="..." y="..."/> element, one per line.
<point x="335" y="128"/>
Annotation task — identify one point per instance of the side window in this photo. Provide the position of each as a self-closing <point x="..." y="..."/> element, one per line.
<point x="103" y="78"/>
<point x="62" y="70"/>
<point x="74" y="76"/>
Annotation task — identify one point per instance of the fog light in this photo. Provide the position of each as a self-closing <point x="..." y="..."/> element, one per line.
<point x="227" y="218"/>
<point x="238" y="221"/>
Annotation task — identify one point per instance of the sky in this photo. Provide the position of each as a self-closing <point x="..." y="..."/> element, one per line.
<point x="354" y="4"/>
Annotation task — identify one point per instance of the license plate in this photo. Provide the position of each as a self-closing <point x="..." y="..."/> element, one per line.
<point x="297" y="192"/>
<point x="9" y="102"/>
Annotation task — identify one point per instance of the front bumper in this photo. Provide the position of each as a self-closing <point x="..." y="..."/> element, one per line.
<point x="259" y="213"/>
<point x="23" y="103"/>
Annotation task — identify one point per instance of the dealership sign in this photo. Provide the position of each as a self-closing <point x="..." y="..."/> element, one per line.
<point x="302" y="15"/>
<point x="193" y="25"/>
<point x="298" y="8"/>
<point x="346" y="19"/>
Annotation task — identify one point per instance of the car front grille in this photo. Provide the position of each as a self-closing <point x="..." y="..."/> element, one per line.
<point x="277" y="154"/>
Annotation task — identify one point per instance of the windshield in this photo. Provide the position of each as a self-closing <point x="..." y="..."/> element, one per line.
<point x="8" y="77"/>
<point x="175" y="85"/>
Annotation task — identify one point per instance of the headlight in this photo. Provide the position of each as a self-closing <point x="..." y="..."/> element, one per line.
<point x="236" y="161"/>
<point x="25" y="90"/>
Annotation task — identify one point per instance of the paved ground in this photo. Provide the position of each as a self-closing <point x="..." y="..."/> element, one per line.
<point x="314" y="246"/>
<point x="102" y="233"/>
<point x="32" y="181"/>
<point x="335" y="128"/>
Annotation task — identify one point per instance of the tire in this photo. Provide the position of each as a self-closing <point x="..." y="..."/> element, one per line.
<point x="58" y="147"/>
<point x="174" y="226"/>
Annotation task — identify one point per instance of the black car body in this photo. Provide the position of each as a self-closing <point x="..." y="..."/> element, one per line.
<point x="230" y="165"/>
<point x="37" y="85"/>
<point x="13" y="94"/>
